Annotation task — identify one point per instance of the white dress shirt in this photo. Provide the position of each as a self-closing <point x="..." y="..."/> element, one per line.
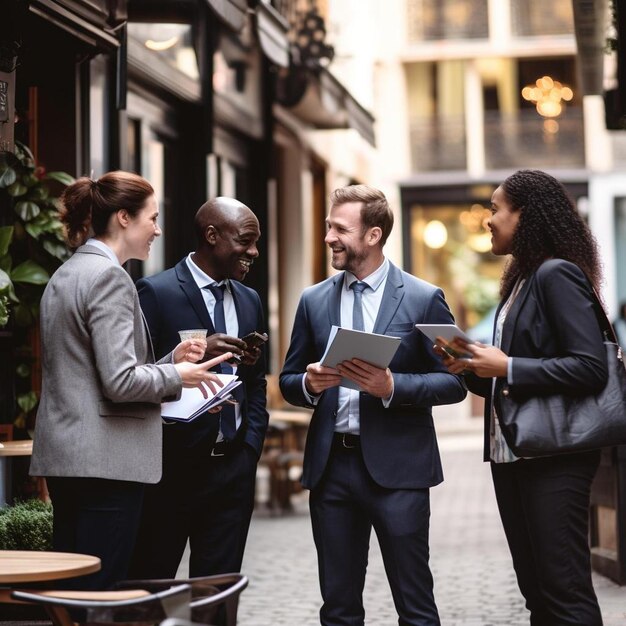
<point x="230" y="312"/>
<point x="348" y="419"/>
<point x="96" y="243"/>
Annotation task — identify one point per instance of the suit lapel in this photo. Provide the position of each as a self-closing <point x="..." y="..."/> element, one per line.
<point x="334" y="301"/>
<point x="193" y="293"/>
<point x="508" y="330"/>
<point x="146" y="328"/>
<point x="392" y="297"/>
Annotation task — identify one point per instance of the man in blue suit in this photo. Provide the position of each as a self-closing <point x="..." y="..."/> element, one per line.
<point x="206" y="494"/>
<point x="371" y="455"/>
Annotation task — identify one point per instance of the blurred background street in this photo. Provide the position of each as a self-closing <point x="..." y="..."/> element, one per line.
<point x="277" y="103"/>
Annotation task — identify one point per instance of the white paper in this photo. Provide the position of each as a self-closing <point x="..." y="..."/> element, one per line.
<point x="192" y="403"/>
<point x="345" y="344"/>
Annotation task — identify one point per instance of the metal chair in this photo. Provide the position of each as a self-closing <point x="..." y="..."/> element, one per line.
<point x="177" y="621"/>
<point x="210" y="595"/>
<point x="136" y="606"/>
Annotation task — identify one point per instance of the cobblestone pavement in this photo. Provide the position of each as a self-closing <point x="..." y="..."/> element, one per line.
<point x="474" y="580"/>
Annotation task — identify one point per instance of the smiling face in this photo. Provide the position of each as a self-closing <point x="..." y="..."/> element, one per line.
<point x="141" y="230"/>
<point x="353" y="248"/>
<point x="234" y="246"/>
<point x="502" y="223"/>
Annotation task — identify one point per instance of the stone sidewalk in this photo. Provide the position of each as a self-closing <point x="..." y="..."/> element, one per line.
<point x="474" y="580"/>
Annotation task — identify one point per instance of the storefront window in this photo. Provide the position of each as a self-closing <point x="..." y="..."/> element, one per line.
<point x="171" y="43"/>
<point x="451" y="247"/>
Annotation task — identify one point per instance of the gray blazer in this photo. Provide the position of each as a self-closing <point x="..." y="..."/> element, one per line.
<point x="99" y="412"/>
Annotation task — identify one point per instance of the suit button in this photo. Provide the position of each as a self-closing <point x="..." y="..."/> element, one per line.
<point x="505" y="392"/>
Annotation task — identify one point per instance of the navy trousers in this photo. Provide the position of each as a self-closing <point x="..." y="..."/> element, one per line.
<point x="205" y="499"/>
<point x="544" y="506"/>
<point x="344" y="507"/>
<point x="99" y="517"/>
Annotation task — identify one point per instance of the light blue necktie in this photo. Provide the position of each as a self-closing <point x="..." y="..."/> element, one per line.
<point x="228" y="425"/>
<point x="357" y="308"/>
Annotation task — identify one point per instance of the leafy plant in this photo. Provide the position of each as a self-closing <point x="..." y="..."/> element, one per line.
<point x="611" y="43"/>
<point x="26" y="526"/>
<point x="31" y="248"/>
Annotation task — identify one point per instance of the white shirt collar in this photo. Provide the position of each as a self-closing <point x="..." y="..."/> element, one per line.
<point x="202" y="278"/>
<point x="96" y="243"/>
<point x="374" y="280"/>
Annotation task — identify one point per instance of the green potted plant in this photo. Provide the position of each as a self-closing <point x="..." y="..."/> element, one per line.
<point x="31" y="248"/>
<point x="26" y="526"/>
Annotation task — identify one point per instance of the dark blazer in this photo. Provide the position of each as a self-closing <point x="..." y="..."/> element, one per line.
<point x="398" y="443"/>
<point x="171" y="301"/>
<point x="552" y="333"/>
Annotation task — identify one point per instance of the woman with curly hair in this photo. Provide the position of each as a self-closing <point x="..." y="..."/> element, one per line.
<point x="547" y="340"/>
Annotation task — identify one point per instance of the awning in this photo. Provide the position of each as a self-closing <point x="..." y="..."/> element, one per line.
<point x="318" y="98"/>
<point x="231" y="12"/>
<point x="86" y="21"/>
<point x="272" y="29"/>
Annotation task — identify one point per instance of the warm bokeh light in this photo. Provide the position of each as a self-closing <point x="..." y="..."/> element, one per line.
<point x="480" y="242"/>
<point x="159" y="46"/>
<point x="435" y="234"/>
<point x="549" y="96"/>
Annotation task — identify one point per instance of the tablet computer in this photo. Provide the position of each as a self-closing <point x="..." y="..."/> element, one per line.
<point x="447" y="332"/>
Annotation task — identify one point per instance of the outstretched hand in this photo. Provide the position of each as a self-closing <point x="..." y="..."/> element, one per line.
<point x="194" y="374"/>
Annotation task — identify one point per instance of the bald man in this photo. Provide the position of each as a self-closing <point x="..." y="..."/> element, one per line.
<point x="206" y="494"/>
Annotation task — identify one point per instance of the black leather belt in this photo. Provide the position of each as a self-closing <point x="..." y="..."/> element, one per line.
<point x="225" y="448"/>
<point x="346" y="441"/>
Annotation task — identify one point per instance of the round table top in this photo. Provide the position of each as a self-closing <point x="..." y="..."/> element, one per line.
<point x="19" y="447"/>
<point x="17" y="566"/>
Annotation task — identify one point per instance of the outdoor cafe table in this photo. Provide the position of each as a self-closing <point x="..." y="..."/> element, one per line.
<point x="10" y="449"/>
<point x="27" y="566"/>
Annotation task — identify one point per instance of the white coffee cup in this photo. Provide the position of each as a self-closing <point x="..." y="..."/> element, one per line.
<point x="193" y="333"/>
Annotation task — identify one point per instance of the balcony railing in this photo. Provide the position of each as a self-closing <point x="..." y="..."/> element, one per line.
<point x="435" y="20"/>
<point x="532" y="18"/>
<point x="526" y="140"/>
<point x="510" y="141"/>
<point x="438" y="144"/>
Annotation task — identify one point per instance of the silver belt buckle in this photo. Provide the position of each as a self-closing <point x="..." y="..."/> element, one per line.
<point x="343" y="442"/>
<point x="213" y="453"/>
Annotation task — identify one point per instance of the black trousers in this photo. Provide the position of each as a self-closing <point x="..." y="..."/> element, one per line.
<point x="544" y="506"/>
<point x="344" y="507"/>
<point x="207" y="500"/>
<point x="99" y="517"/>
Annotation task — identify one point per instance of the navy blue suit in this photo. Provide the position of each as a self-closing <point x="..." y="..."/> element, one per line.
<point x="398" y="457"/>
<point x="205" y="498"/>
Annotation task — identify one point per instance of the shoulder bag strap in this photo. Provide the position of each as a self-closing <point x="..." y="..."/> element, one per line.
<point x="605" y="325"/>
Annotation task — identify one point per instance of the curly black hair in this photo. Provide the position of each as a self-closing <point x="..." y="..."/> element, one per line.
<point x="549" y="226"/>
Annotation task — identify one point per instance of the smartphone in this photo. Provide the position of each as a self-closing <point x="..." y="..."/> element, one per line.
<point x="455" y="353"/>
<point x="254" y="339"/>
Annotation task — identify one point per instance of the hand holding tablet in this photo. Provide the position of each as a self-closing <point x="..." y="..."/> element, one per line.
<point x="445" y="336"/>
